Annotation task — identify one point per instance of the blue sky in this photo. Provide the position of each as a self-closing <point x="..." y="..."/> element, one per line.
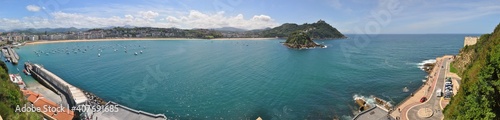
<point x="349" y="16"/>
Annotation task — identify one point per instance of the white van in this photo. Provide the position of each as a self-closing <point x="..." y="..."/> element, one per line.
<point x="439" y="93"/>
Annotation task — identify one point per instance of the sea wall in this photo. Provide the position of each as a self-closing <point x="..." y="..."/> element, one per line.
<point x="138" y="112"/>
<point x="73" y="95"/>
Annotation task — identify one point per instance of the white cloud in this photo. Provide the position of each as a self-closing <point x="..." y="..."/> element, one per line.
<point x="129" y="16"/>
<point x="173" y="19"/>
<point x="197" y="19"/>
<point x="62" y="19"/>
<point x="264" y="18"/>
<point x="191" y="19"/>
<point x="148" y="14"/>
<point x="33" y="8"/>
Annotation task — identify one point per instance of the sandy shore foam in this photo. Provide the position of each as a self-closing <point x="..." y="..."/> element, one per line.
<point x="136" y="39"/>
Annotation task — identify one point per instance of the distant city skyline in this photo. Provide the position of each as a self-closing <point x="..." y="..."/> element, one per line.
<point x="357" y="16"/>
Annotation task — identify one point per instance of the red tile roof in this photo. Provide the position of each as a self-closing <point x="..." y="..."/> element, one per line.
<point x="39" y="101"/>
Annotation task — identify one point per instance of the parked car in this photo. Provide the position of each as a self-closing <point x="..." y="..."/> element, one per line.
<point x="439" y="93"/>
<point x="449" y="88"/>
<point x="423" y="99"/>
<point x="448" y="95"/>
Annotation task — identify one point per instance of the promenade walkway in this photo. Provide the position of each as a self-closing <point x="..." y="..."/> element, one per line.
<point x="431" y="109"/>
<point x="427" y="90"/>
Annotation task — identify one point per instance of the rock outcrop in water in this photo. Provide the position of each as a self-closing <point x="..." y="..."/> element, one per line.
<point x="300" y="40"/>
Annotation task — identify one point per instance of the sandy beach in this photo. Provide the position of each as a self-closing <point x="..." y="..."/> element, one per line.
<point x="244" y="39"/>
<point x="136" y="39"/>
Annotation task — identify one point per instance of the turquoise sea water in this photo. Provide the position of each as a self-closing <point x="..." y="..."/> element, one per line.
<point x="244" y="79"/>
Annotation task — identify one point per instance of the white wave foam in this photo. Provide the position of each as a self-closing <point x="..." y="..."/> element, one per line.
<point x="421" y="64"/>
<point x="369" y="100"/>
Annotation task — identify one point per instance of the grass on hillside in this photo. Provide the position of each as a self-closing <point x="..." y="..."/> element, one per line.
<point x="453" y="69"/>
<point x="10" y="97"/>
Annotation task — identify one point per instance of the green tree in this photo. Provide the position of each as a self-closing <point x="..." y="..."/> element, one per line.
<point x="479" y="95"/>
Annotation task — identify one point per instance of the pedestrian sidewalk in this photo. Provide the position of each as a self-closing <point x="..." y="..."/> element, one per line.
<point x="401" y="110"/>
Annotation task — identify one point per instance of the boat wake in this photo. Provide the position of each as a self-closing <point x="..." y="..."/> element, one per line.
<point x="421" y="64"/>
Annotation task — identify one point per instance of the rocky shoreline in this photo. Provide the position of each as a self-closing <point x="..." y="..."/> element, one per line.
<point x="428" y="67"/>
<point x="300" y="40"/>
<point x="298" y="46"/>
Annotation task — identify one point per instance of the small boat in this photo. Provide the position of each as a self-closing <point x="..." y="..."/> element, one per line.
<point x="141" y="51"/>
<point x="135" y="53"/>
<point x="98" y="54"/>
<point x="16" y="79"/>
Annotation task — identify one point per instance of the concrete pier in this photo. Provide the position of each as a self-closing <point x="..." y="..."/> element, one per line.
<point x="126" y="113"/>
<point x="10" y="54"/>
<point x="73" y="95"/>
<point x="13" y="55"/>
<point x="5" y="53"/>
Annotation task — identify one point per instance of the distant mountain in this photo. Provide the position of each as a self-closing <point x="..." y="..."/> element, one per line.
<point x="318" y="30"/>
<point x="230" y="29"/>
<point x="125" y="26"/>
<point x="259" y="30"/>
<point x="129" y="26"/>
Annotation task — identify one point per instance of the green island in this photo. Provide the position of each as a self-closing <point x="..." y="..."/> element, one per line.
<point x="479" y="67"/>
<point x="10" y="97"/>
<point x="300" y="40"/>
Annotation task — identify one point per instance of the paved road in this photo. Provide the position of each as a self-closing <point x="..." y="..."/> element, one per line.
<point x="433" y="101"/>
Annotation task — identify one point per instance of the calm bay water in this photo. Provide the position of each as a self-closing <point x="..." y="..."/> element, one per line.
<point x="244" y="79"/>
